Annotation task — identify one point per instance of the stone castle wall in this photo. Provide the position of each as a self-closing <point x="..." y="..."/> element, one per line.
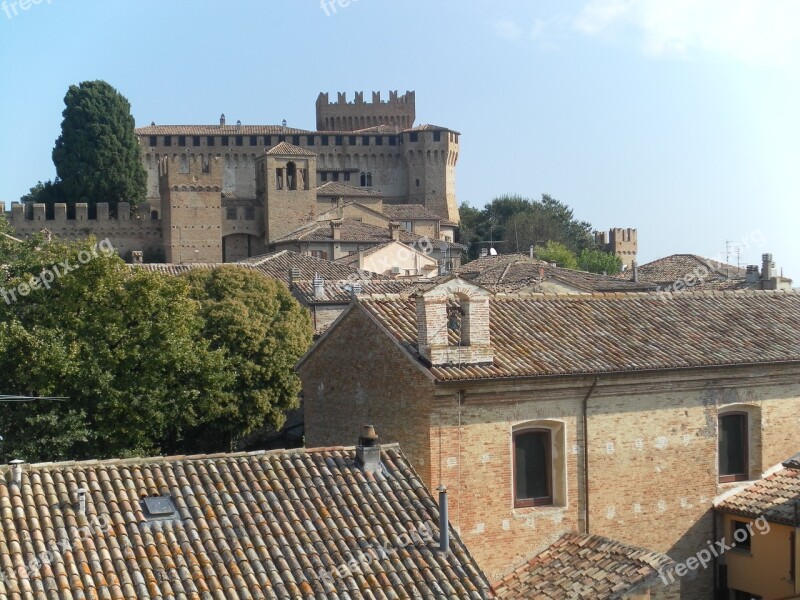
<point x="399" y="111"/>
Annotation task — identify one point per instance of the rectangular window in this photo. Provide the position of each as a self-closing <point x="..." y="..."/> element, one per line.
<point x="310" y="140"/>
<point x="365" y="140"/>
<point x="324" y="140"/>
<point x="352" y="140"/>
<point x="210" y="140"/>
<point x="414" y="136"/>
<point x="281" y="138"/>
<point x="230" y="213"/>
<point x="733" y="455"/>
<point x="437" y="136"/>
<point x="347" y="176"/>
<point x="249" y="213"/>
<point x="378" y="140"/>
<point x="239" y="140"/>
<point x="319" y="254"/>
<point x="335" y="176"/>
<point x="533" y="473"/>
<point x="181" y="140"/>
<point x="393" y="140"/>
<point x="254" y="140"/>
<point x="224" y="140"/>
<point x="740" y="534"/>
<point x="168" y="140"/>
<point x="339" y="140"/>
<point x="154" y="140"/>
<point x="407" y="225"/>
<point x="195" y="140"/>
<point x="323" y="176"/>
<point x="268" y="140"/>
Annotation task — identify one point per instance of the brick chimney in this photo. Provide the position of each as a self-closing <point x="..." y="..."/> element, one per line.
<point x="438" y="326"/>
<point x="752" y="275"/>
<point x="336" y="230"/>
<point x="394" y="230"/>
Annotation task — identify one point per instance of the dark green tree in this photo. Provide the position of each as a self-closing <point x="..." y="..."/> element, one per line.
<point x="97" y="155"/>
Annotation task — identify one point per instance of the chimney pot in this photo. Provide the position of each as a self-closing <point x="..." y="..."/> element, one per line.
<point x="336" y="230"/>
<point x="16" y="471"/>
<point x="222" y="119"/>
<point x="444" y="521"/>
<point x="319" y="287"/>
<point x="635" y="269"/>
<point x="81" y="500"/>
<point x="368" y="451"/>
<point x="394" y="231"/>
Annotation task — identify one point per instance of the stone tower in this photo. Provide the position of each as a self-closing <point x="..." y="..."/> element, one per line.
<point x="431" y="154"/>
<point x="621" y="242"/>
<point x="190" y="188"/>
<point x="352" y="116"/>
<point x="286" y="186"/>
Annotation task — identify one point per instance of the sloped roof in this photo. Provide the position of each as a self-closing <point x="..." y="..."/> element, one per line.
<point x="263" y="525"/>
<point x="584" y="567"/>
<point x="287" y="149"/>
<point x="536" y="335"/>
<point x="774" y="496"/>
<point x="335" y="188"/>
<point x="219" y="130"/>
<point x="672" y="268"/>
<point x="410" y="212"/>
<point x="277" y="265"/>
<point x="335" y="292"/>
<point x="175" y="269"/>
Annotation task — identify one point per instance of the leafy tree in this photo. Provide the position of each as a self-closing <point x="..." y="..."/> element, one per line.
<point x="97" y="155"/>
<point x="48" y="193"/>
<point x="147" y="362"/>
<point x="558" y="253"/>
<point x="597" y="261"/>
<point x="262" y="331"/>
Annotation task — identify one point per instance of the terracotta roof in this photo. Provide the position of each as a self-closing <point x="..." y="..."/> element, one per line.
<point x="219" y="130"/>
<point x="512" y="272"/>
<point x="277" y="265"/>
<point x="175" y="269"/>
<point x="353" y="231"/>
<point x="774" y="496"/>
<point x="257" y="525"/>
<point x="537" y="335"/>
<point x="586" y="567"/>
<point x="334" y="188"/>
<point x="429" y="127"/>
<point x="410" y="212"/>
<point x="671" y="268"/>
<point x="336" y="292"/>
<point x="287" y="149"/>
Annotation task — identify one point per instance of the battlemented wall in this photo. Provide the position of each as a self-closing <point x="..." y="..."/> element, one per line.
<point x="398" y="111"/>
<point x="126" y="232"/>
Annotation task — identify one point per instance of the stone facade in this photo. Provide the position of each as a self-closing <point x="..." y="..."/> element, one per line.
<point x="619" y="241"/>
<point x="342" y="115"/>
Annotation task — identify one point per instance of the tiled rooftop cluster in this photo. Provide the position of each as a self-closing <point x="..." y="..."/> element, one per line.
<point x="341" y="292"/>
<point x="678" y="266"/>
<point x="538" y="335"/>
<point x="773" y="497"/>
<point x="296" y="525"/>
<point x="583" y="567"/>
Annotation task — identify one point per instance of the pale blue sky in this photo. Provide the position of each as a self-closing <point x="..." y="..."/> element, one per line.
<point x="677" y="117"/>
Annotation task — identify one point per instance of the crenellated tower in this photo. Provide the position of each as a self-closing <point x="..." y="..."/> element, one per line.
<point x="352" y="116"/>
<point x="191" y="192"/>
<point x="431" y="154"/>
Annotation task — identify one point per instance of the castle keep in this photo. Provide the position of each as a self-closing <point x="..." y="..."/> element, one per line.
<point x="223" y="192"/>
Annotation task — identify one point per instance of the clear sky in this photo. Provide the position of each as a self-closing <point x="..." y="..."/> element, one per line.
<point x="676" y="117"/>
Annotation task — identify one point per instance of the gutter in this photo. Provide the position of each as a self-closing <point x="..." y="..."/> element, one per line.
<point x="586" y="455"/>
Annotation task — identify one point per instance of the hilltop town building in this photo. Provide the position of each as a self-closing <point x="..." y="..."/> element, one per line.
<point x="224" y="192"/>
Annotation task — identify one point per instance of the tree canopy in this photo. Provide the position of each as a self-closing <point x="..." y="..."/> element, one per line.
<point x="148" y="363"/>
<point x="97" y="155"/>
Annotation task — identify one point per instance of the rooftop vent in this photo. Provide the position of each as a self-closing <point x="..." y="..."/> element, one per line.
<point x="222" y="119"/>
<point x="319" y="287"/>
<point x="368" y="451"/>
<point x="793" y="462"/>
<point x="294" y="274"/>
<point x="81" y="500"/>
<point x="752" y="275"/>
<point x="16" y="471"/>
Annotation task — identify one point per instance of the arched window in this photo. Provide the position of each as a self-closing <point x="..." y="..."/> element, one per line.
<point x="291" y="176"/>
<point x="533" y="467"/>
<point x="734" y="456"/>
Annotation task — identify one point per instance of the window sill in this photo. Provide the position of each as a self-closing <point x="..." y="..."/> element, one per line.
<point x="741" y="551"/>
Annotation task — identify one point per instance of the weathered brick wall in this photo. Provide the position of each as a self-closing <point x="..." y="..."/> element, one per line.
<point x="359" y="376"/>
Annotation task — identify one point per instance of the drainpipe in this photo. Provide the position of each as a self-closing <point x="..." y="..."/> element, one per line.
<point x="716" y="560"/>
<point x="586" y="456"/>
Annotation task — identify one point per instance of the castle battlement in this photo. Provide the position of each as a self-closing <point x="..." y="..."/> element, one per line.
<point x="399" y="110"/>
<point x="25" y="214"/>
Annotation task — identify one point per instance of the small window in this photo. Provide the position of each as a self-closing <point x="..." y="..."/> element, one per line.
<point x="414" y="136"/>
<point x="352" y="140"/>
<point x="740" y="535"/>
<point x="254" y="140"/>
<point x="154" y="140"/>
<point x="335" y="176"/>
<point x="347" y="176"/>
<point x="210" y="140"/>
<point x="417" y="182"/>
<point x="168" y="140"/>
<point x="339" y="140"/>
<point x="278" y="179"/>
<point x="369" y="179"/>
<point x="378" y="140"/>
<point x="281" y="138"/>
<point x="323" y="176"/>
<point x="239" y="140"/>
<point x="181" y="140"/>
<point x="437" y="136"/>
<point x="195" y="140"/>
<point x="324" y="140"/>
<point x="230" y="213"/>
<point x="363" y="180"/>
<point x="158" y="508"/>
<point x="224" y="140"/>
<point x="154" y="215"/>
<point x="310" y="140"/>
<point x="249" y="213"/>
<point x="319" y="254"/>
<point x="296" y="140"/>
<point x="268" y="140"/>
<point x="533" y="471"/>
<point x="733" y="454"/>
<point x="365" y="140"/>
<point x="407" y="225"/>
<point x="393" y="140"/>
